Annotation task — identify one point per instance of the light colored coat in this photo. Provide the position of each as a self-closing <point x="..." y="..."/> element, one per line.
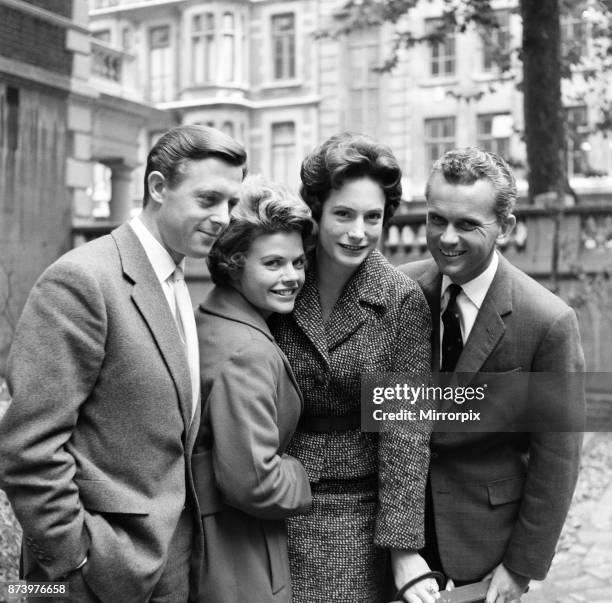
<point x="95" y="447"/>
<point x="503" y="497"/>
<point x="247" y="485"/>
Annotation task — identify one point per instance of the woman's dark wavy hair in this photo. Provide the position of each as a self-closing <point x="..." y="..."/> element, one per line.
<point x="264" y="208"/>
<point x="345" y="157"/>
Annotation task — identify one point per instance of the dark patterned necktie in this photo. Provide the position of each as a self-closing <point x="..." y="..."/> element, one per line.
<point x="452" y="344"/>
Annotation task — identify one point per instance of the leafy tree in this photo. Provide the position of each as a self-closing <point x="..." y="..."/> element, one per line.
<point x="544" y="58"/>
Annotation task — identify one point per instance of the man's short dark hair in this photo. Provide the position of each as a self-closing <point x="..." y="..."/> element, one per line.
<point x="470" y="164"/>
<point x="185" y="143"/>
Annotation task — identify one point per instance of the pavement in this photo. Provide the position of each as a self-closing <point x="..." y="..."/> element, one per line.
<point x="581" y="571"/>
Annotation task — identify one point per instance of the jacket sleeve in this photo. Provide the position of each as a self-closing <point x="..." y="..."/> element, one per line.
<point x="404" y="446"/>
<point x="554" y="457"/>
<point x="54" y="361"/>
<point x="250" y="473"/>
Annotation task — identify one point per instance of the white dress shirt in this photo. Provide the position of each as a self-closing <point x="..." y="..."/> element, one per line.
<point x="469" y="300"/>
<point x="164" y="267"/>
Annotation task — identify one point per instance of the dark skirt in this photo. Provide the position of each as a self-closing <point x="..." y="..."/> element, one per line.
<point x="331" y="549"/>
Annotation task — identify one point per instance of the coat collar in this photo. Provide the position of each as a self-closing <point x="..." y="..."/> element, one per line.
<point x="150" y="300"/>
<point x="229" y="303"/>
<point x="430" y="280"/>
<point x="364" y="288"/>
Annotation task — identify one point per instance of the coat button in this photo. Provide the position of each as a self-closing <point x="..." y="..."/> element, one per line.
<point x="434" y="455"/>
<point x="320" y="379"/>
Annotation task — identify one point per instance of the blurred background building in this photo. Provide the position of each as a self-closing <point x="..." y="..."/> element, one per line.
<point x="87" y="87"/>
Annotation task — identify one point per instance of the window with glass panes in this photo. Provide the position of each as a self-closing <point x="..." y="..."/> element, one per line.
<point x="160" y="64"/>
<point x="364" y="82"/>
<point x="573" y="32"/>
<point x="493" y="133"/>
<point x="203" y="51"/>
<point x="496" y="41"/>
<point x="283" y="154"/>
<point x="442" y="58"/>
<point x="439" y="138"/>
<point x="576" y="140"/>
<point x="283" y="46"/>
<point x="228" y="48"/>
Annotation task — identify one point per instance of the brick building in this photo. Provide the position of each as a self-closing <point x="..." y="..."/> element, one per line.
<point x="57" y="122"/>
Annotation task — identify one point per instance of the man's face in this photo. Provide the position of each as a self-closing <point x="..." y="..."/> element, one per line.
<point x="462" y="227"/>
<point x="195" y="210"/>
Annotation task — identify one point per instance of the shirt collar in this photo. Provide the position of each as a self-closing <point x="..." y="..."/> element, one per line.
<point x="162" y="262"/>
<point x="477" y="288"/>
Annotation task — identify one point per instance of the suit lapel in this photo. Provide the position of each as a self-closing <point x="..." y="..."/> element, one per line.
<point x="346" y="317"/>
<point x="364" y="289"/>
<point x="149" y="298"/>
<point x="309" y="317"/>
<point x="489" y="327"/>
<point x="431" y="282"/>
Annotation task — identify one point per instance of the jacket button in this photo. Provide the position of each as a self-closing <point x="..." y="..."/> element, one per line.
<point x="320" y="379"/>
<point x="434" y="455"/>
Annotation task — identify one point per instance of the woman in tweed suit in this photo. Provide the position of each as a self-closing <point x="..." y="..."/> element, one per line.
<point x="356" y="314"/>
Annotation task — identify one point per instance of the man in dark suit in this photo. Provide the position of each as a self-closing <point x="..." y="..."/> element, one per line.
<point x="496" y="501"/>
<point x="95" y="448"/>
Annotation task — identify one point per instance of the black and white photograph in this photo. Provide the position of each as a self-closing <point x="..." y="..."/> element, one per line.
<point x="306" y="301"/>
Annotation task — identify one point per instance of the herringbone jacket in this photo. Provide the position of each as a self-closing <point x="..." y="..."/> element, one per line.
<point x="381" y="323"/>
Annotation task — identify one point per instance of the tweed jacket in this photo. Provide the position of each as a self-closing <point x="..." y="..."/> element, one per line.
<point x="95" y="447"/>
<point x="380" y="323"/>
<point x="251" y="405"/>
<point x="504" y="496"/>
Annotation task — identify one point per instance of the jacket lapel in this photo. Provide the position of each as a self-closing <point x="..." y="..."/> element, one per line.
<point x="489" y="327"/>
<point x="430" y="281"/>
<point x="149" y="298"/>
<point x="364" y="288"/>
<point x="309" y="317"/>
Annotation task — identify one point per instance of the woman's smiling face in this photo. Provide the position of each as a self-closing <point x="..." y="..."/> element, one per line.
<point x="273" y="273"/>
<point x="351" y="223"/>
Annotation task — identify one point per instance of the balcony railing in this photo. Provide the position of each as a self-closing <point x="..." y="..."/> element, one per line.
<point x="107" y="61"/>
<point x="585" y="241"/>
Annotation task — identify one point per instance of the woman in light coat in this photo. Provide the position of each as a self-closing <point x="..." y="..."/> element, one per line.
<point x="246" y="483"/>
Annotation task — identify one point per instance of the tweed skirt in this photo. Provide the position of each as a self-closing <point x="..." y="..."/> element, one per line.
<point x="332" y="555"/>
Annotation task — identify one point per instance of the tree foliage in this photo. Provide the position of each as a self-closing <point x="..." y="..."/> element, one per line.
<point x="544" y="58"/>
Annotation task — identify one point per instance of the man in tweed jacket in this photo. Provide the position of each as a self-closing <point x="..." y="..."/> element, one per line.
<point x="95" y="448"/>
<point x="497" y="501"/>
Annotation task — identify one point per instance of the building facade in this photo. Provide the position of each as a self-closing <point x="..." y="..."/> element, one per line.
<point x="60" y="117"/>
<point x="258" y="70"/>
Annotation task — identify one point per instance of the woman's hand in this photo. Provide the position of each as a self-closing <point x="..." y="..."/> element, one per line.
<point x="406" y="566"/>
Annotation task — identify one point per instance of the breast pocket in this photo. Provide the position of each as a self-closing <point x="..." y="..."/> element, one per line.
<point x="505" y="491"/>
